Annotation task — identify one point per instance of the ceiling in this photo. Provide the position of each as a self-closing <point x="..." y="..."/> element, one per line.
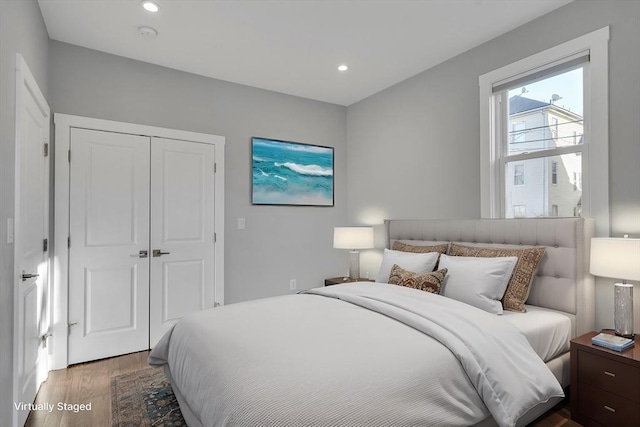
<point x="293" y="46"/>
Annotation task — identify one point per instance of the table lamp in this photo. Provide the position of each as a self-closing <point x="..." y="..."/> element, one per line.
<point x="353" y="238"/>
<point x="618" y="258"/>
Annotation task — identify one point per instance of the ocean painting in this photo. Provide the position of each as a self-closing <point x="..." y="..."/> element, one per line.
<point x="291" y="173"/>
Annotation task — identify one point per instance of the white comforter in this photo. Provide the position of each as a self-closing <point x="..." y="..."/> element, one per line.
<point x="410" y="359"/>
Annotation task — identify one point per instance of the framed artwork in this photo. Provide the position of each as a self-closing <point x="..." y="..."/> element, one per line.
<point x="291" y="173"/>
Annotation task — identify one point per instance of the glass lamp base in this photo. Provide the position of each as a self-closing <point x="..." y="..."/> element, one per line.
<point x="623" y="309"/>
<point x="354" y="264"/>
<point x="631" y="337"/>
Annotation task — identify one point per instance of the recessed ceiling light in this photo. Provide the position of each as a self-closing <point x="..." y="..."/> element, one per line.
<point x="150" y="6"/>
<point x="343" y="68"/>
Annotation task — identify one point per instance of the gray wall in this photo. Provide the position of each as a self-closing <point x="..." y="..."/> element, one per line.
<point x="22" y="31"/>
<point x="413" y="149"/>
<point x="279" y="243"/>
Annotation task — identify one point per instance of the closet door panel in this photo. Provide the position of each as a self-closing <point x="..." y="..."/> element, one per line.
<point x="182" y="231"/>
<point x="109" y="226"/>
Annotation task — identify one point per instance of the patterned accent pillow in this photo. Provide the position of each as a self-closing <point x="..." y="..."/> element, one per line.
<point x="428" y="282"/>
<point x="520" y="284"/>
<point x="420" y="249"/>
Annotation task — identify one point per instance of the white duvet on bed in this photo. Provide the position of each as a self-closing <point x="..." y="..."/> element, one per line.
<point x="306" y="359"/>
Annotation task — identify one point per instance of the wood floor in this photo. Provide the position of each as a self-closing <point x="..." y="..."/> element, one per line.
<point x="91" y="382"/>
<point x="84" y="383"/>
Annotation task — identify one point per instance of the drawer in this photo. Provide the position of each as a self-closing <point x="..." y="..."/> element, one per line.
<point x="607" y="408"/>
<point x="609" y="375"/>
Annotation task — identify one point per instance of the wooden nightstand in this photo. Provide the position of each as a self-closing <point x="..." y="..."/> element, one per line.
<point x="338" y="280"/>
<point x="605" y="384"/>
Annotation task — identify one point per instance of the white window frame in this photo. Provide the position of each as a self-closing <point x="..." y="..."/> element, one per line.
<point x="595" y="201"/>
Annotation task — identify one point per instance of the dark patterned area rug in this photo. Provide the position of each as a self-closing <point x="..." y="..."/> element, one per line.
<point x="144" y="398"/>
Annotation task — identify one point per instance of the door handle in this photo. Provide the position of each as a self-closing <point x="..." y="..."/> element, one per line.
<point x="26" y="276"/>
<point x="141" y="254"/>
<point x="158" y="252"/>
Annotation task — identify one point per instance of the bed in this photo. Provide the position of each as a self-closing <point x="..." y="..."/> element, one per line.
<point x="374" y="354"/>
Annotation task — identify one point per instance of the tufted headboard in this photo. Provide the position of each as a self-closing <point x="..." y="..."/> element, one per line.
<point x="562" y="282"/>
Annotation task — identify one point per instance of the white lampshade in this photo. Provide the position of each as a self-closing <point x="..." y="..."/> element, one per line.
<point x="616" y="258"/>
<point x="353" y="237"/>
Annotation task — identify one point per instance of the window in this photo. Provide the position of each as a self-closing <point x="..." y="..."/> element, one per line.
<point x="549" y="120"/>
<point x="518" y="132"/>
<point x="518" y="174"/>
<point x="554" y="210"/>
<point x="519" y="211"/>
<point x="554" y="127"/>
<point x="548" y="113"/>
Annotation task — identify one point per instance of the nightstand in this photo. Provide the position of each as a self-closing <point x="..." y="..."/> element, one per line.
<point x="605" y="384"/>
<point x="338" y="280"/>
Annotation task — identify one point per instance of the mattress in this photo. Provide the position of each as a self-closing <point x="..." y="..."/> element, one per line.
<point x="548" y="331"/>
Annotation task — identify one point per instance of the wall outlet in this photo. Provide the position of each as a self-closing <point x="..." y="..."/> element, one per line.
<point x="242" y="223"/>
<point x="293" y="284"/>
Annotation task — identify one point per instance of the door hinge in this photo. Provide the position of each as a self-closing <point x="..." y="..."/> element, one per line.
<point x="215" y="237"/>
<point x="69" y="241"/>
<point x="69" y="156"/>
<point x="46" y="149"/>
<point x="44" y="338"/>
<point x="45" y="245"/>
<point x="215" y="168"/>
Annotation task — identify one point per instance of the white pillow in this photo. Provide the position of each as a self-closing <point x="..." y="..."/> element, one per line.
<point x="477" y="281"/>
<point x="415" y="262"/>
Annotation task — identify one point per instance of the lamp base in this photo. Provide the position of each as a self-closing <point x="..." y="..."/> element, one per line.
<point x="354" y="264"/>
<point x="623" y="309"/>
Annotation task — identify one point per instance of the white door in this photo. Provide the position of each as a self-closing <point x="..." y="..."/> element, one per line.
<point x="182" y="231"/>
<point x="109" y="232"/>
<point x="31" y="228"/>
<point x="128" y="194"/>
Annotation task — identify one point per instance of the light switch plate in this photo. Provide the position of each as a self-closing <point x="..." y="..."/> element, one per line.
<point x="241" y="223"/>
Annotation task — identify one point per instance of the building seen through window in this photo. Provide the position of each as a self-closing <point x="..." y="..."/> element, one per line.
<point x="546" y="182"/>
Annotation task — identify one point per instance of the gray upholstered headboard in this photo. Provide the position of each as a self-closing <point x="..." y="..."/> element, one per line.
<point x="563" y="281"/>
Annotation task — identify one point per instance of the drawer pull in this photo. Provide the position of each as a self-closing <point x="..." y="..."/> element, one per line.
<point x="609" y="408"/>
<point x="610" y="374"/>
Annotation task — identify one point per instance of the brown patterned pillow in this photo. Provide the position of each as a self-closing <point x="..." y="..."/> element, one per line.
<point x="428" y="282"/>
<point x="520" y="284"/>
<point x="420" y="249"/>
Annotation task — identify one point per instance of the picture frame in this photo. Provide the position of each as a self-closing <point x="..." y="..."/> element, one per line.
<point x="289" y="173"/>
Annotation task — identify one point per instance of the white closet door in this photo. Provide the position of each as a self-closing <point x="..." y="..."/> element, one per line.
<point x="109" y="226"/>
<point x="182" y="231"/>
